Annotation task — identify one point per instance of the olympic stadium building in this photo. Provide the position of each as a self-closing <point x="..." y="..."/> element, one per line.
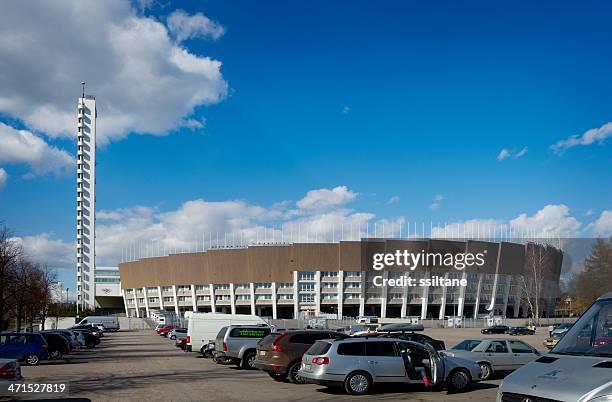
<point x="309" y="279"/>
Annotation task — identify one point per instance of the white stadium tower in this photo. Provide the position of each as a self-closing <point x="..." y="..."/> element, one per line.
<point x="86" y="201"/>
<point x="97" y="287"/>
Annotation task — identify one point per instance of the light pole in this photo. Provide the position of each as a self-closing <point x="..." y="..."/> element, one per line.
<point x="568" y="300"/>
<point x="67" y="289"/>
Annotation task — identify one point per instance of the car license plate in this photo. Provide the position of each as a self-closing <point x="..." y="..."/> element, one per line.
<point x="262" y="352"/>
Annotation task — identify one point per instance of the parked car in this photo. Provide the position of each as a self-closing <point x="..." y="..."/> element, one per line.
<point x="203" y="328"/>
<point x="90" y="339"/>
<point x="408" y="332"/>
<point x="496" y="329"/>
<point x="110" y="323"/>
<point x="10" y="370"/>
<point x="207" y="350"/>
<point x="576" y="369"/>
<point x="550" y="343"/>
<point x="560" y="329"/>
<point x="280" y="353"/>
<point x="357" y="363"/>
<point x="238" y="343"/>
<point x="493" y="355"/>
<point x="164" y="329"/>
<point x="80" y="337"/>
<point x="177" y="333"/>
<point x="467" y="344"/>
<point x="521" y="331"/>
<point x="181" y="343"/>
<point x="71" y="336"/>
<point x="92" y="329"/>
<point x="58" y="345"/>
<point x="28" y="347"/>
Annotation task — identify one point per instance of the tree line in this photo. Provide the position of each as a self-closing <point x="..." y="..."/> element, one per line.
<point x="596" y="278"/>
<point x="25" y="286"/>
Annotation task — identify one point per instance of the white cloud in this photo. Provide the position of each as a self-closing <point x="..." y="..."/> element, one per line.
<point x="184" y="26"/>
<point x="594" y="135"/>
<point x="393" y="200"/>
<point x="552" y="219"/>
<point x="196" y="224"/>
<point x="477" y="228"/>
<point x="21" y="146"/>
<point x="143" y="80"/>
<point x="436" y="202"/>
<point x="505" y="153"/>
<point x="345" y="110"/>
<point x="603" y="225"/>
<point x="45" y="250"/>
<point x="521" y="153"/>
<point x="323" y="198"/>
<point x="3" y="178"/>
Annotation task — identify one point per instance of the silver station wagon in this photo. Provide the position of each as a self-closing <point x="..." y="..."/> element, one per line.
<point x="493" y="354"/>
<point x="357" y="363"/>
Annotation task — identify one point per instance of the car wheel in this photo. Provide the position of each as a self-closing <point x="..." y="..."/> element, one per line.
<point x="458" y="381"/>
<point x="358" y="383"/>
<point x="173" y="337"/>
<point x="293" y="375"/>
<point x="487" y="371"/>
<point x="248" y="361"/>
<point x="278" y="377"/>
<point x="56" y="354"/>
<point x="32" y="359"/>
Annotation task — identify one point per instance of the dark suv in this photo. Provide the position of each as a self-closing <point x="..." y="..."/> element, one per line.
<point x="280" y="353"/>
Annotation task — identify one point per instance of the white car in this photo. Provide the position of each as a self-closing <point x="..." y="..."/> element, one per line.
<point x="578" y="368"/>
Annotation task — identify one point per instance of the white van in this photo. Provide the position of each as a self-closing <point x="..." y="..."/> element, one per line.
<point x="110" y="323"/>
<point x="203" y="328"/>
<point x="578" y="368"/>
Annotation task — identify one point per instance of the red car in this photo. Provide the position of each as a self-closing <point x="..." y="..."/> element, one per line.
<point x="163" y="329"/>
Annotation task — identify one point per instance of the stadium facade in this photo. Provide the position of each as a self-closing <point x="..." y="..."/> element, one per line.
<point x="306" y="279"/>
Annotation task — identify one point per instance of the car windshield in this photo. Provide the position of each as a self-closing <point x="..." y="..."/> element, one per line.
<point x="591" y="335"/>
<point x="468" y="344"/>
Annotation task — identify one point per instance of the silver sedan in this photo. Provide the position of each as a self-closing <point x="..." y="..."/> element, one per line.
<point x="494" y="354"/>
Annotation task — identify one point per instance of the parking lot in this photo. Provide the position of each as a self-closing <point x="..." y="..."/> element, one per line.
<point x="141" y="365"/>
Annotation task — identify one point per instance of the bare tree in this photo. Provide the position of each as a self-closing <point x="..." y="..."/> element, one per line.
<point x="532" y="281"/>
<point x="46" y="279"/>
<point x="11" y="253"/>
<point x="25" y="287"/>
<point x="24" y="290"/>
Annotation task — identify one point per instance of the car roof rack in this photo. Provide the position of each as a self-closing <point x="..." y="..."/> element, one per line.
<point x="401" y="328"/>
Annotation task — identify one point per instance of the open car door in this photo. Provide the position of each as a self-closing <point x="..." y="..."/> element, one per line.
<point x="437" y="367"/>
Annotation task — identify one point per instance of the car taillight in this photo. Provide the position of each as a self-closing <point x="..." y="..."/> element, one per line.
<point x="320" y="360"/>
<point x="188" y="339"/>
<point x="224" y="347"/>
<point x="275" y="345"/>
<point x="7" y="372"/>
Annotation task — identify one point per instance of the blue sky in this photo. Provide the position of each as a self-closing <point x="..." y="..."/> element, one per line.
<point x="407" y="104"/>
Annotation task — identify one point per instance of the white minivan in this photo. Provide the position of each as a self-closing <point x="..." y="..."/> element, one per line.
<point x="578" y="368"/>
<point x="110" y="323"/>
<point x="203" y="328"/>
